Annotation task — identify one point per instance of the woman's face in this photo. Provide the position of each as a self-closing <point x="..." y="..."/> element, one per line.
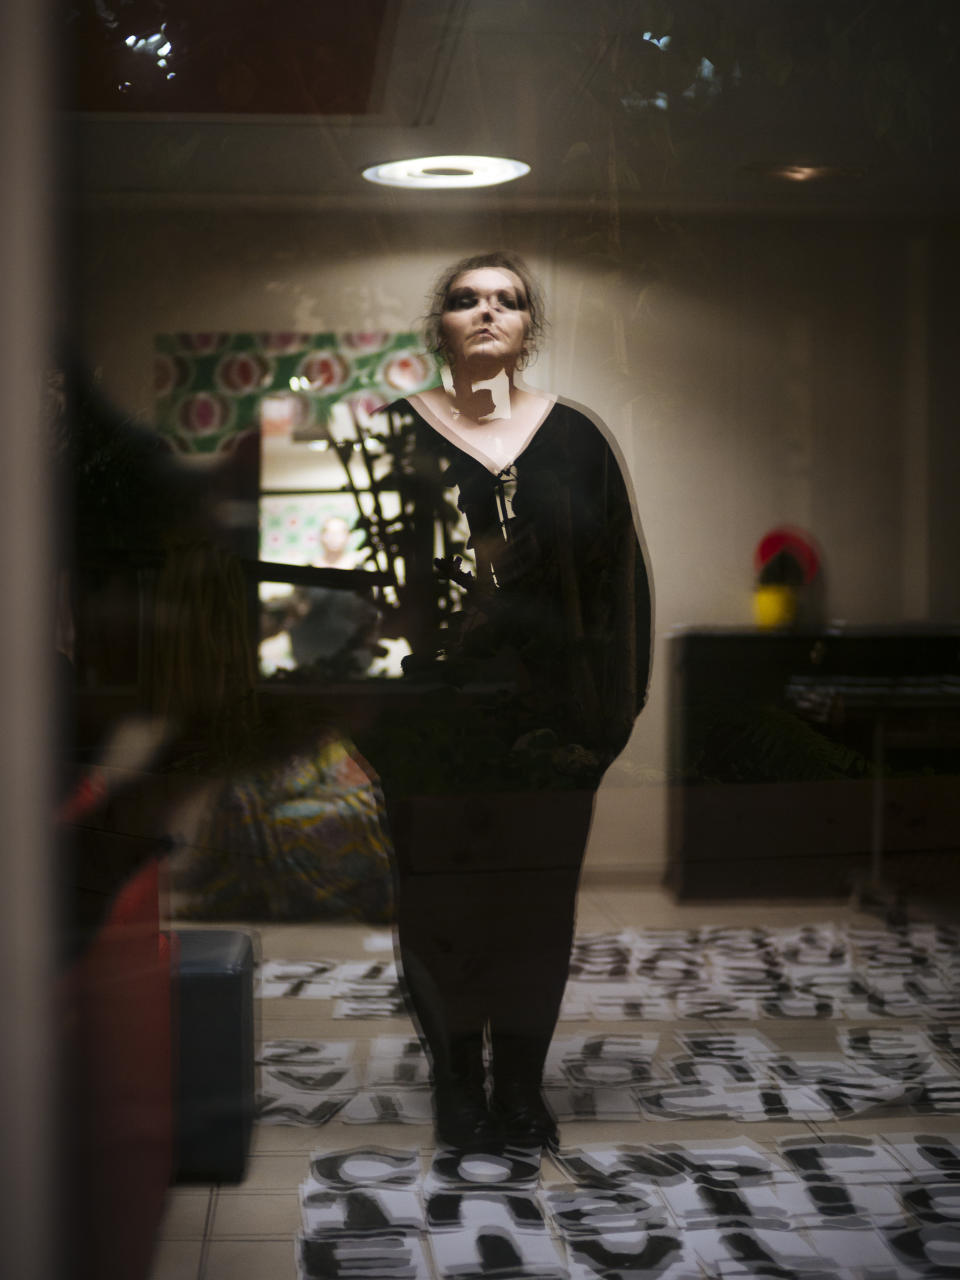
<point x="485" y="319"/>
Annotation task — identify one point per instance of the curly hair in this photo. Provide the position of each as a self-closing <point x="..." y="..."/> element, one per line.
<point x="432" y="330"/>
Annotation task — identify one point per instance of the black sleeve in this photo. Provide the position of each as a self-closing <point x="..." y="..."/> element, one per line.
<point x="615" y="592"/>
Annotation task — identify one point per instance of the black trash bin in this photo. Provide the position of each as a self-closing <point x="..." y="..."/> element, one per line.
<point x="214" y="1025"/>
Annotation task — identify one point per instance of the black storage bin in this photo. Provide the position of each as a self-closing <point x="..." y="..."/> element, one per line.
<point x="215" y="1089"/>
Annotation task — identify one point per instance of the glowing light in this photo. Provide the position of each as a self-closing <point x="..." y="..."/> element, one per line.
<point x="164" y="49"/>
<point x="130" y="41"/>
<point x="431" y="173"/>
<point x="802" y="172"/>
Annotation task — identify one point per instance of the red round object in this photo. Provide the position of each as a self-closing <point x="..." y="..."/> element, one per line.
<point x="794" y="542"/>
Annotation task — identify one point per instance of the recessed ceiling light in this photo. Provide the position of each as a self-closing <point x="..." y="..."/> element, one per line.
<point x="435" y="172"/>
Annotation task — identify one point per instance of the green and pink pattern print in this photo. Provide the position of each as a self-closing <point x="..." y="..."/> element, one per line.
<point x="209" y="386"/>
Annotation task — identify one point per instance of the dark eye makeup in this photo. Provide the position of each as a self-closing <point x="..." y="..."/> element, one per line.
<point x="464" y="299"/>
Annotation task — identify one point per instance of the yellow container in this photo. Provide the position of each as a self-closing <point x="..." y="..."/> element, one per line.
<point x="774" y="607"/>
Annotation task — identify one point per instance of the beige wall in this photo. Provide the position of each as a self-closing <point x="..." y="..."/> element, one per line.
<point x="751" y="374"/>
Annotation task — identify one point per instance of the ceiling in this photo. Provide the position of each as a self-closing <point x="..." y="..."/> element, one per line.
<point x="650" y="105"/>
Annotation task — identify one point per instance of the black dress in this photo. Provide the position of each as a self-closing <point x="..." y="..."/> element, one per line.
<point x="530" y="662"/>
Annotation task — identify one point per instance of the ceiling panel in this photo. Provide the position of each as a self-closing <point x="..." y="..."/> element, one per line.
<point x="651" y="104"/>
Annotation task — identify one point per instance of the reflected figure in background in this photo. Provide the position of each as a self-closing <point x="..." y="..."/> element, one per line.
<point x="518" y="697"/>
<point x="335" y="552"/>
<point x="321" y="624"/>
<point x="325" y="622"/>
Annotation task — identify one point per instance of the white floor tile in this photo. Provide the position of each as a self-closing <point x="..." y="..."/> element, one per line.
<point x="257" y="1214"/>
<point x="251" y="1260"/>
<point x="186" y="1213"/>
<point x="176" y="1260"/>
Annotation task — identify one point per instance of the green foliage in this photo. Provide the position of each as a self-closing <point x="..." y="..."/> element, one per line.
<point x="770" y="744"/>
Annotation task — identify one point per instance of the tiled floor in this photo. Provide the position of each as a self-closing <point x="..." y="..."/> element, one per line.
<point x="247" y="1232"/>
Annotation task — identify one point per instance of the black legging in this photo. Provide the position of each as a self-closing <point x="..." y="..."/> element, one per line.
<point x="486" y="890"/>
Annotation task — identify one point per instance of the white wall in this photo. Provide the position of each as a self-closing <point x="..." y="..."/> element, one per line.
<point x="751" y="374"/>
<point x="31" y="1004"/>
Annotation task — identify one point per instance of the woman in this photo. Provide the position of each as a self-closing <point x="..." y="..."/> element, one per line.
<point x="523" y="686"/>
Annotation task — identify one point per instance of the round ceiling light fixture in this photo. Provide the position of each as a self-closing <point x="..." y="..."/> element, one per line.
<point x="434" y="173"/>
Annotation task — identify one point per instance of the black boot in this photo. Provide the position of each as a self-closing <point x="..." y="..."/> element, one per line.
<point x="517" y="1104"/>
<point x="522" y="1116"/>
<point x="460" y="1098"/>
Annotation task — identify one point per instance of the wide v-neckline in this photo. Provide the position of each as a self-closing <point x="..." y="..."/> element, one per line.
<point x="465" y="445"/>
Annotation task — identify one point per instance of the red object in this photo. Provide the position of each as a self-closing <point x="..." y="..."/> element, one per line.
<point x="793" y="542"/>
<point x="89" y="793"/>
<point x="118" y="1087"/>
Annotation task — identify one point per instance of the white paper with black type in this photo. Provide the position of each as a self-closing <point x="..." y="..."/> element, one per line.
<point x="669" y="1163"/>
<point x="386" y="1074"/>
<point x="584" y="1103"/>
<point x="850" y="1204"/>
<point x="883" y="1044"/>
<point x="602" y="957"/>
<point x="307" y="1111"/>
<point x="378" y="942"/>
<point x="736" y="1045"/>
<point x="932" y="1202"/>
<point x="306" y="1053"/>
<point x="361" y="1211"/>
<point x="574" y="1007"/>
<point x="601" y="1060"/>
<point x="304" y="1094"/>
<point x="365" y="977"/>
<point x="310" y="1081"/>
<point x="471" y="1209"/>
<point x="390" y="1257"/>
<point x="633" y="1004"/>
<point x="866" y="1249"/>
<point x="497" y="1254"/>
<point x="303" y="979"/>
<point x="514" y="1168"/>
<point x="718" y="1072"/>
<point x="848" y="1158"/>
<point x="719" y="1202"/>
<point x="653" y="1255"/>
<point x="740" y="1160"/>
<point x="364" y="1167"/>
<point x="396" y="1062"/>
<point x="588" y="1211"/>
<point x="927" y="1156"/>
<point x="750" y="1102"/>
<point x="754" y="1251"/>
<point x="371" y="1006"/>
<point x="604" y="1073"/>
<point x="401" y="1106"/>
<point x="814" y="971"/>
<point x="927" y="1250"/>
<point x="394" y="1048"/>
<point x="946" y="1041"/>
